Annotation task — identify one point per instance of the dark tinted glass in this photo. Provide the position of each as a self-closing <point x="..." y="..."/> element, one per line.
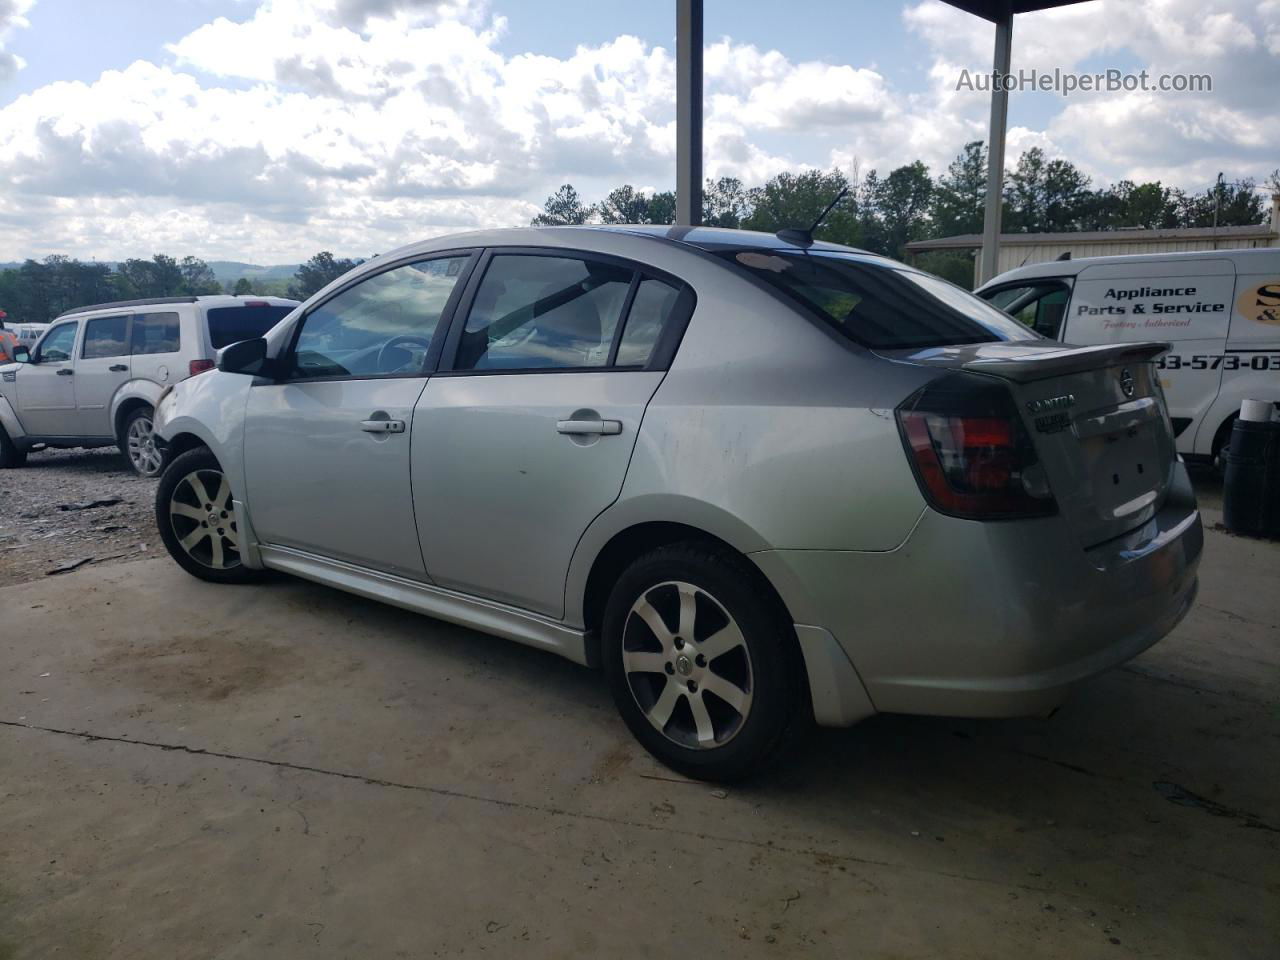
<point x="155" y="333"/>
<point x="228" y="325"/>
<point x="538" y="312"/>
<point x="105" y="337"/>
<point x="650" y="311"/>
<point x="879" y="306"/>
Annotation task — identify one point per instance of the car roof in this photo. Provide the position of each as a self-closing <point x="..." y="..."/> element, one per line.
<point x="209" y="300"/>
<point x="1253" y="259"/>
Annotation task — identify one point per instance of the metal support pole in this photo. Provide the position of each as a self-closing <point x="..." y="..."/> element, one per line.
<point x="689" y="112"/>
<point x="995" y="149"/>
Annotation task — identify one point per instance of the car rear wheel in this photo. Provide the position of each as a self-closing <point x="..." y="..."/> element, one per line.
<point x="702" y="663"/>
<point x="197" y="519"/>
<point x="145" y="455"/>
<point x="11" y="455"/>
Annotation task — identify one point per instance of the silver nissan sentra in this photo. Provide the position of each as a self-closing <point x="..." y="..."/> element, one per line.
<point x="757" y="479"/>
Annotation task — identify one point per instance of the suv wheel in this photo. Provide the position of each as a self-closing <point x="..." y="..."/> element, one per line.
<point x="702" y="664"/>
<point x="197" y="519"/>
<point x="139" y="443"/>
<point x="11" y="455"/>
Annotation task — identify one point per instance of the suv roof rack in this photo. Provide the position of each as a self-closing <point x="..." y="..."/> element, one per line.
<point x="115" y="304"/>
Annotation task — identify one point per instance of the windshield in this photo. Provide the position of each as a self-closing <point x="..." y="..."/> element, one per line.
<point x="881" y="307"/>
<point x="228" y="325"/>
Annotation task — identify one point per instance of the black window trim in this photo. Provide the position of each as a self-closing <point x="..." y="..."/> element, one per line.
<point x="664" y="349"/>
<point x="128" y="336"/>
<point x="437" y="338"/>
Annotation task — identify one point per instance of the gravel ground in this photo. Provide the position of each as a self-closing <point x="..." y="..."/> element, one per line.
<point x="47" y="523"/>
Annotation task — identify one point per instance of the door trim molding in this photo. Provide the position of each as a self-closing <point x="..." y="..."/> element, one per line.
<point x="487" y="616"/>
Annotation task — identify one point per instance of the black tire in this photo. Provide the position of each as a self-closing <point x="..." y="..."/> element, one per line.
<point x="775" y="674"/>
<point x="175" y="491"/>
<point x="11" y="455"/>
<point x="151" y="461"/>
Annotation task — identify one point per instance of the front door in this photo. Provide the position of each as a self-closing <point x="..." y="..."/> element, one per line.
<point x="47" y="385"/>
<point x="526" y="438"/>
<point x="102" y="369"/>
<point x="327" y="445"/>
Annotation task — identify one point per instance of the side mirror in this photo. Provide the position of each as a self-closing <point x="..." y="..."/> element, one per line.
<point x="21" y="354"/>
<point x="248" y="357"/>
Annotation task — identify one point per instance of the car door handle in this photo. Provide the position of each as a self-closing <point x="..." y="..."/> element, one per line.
<point x="118" y="367"/>
<point x="608" y="428"/>
<point x="382" y="426"/>
<point x="64" y="372"/>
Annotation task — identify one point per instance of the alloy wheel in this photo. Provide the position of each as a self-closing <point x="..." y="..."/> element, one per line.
<point x="140" y="445"/>
<point x="204" y="519"/>
<point x="687" y="665"/>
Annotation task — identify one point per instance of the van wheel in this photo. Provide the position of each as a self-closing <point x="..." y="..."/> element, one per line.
<point x="702" y="664"/>
<point x="11" y="455"/>
<point x="197" y="519"/>
<point x="139" y="443"/>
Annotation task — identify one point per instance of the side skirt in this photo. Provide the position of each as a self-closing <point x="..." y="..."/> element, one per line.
<point x="486" y="616"/>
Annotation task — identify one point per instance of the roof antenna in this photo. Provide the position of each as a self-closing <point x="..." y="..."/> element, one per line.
<point x="804" y="238"/>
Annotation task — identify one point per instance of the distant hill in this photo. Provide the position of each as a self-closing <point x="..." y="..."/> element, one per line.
<point x="229" y="271"/>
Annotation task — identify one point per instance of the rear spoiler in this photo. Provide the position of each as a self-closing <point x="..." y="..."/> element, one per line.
<point x="1057" y="363"/>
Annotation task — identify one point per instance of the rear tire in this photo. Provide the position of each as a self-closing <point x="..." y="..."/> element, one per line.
<point x="702" y="663"/>
<point x="197" y="519"/>
<point x="11" y="455"/>
<point x="138" y="443"/>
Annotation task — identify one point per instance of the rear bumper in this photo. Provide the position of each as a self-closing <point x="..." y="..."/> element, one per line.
<point x="996" y="619"/>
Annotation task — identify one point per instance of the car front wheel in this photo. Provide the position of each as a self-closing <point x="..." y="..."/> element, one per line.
<point x="702" y="663"/>
<point x="197" y="519"/>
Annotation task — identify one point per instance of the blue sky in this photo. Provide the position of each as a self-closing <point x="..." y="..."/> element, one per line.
<point x="292" y="125"/>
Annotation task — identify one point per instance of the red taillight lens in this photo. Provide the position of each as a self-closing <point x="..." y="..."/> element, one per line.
<point x="971" y="455"/>
<point x="199" y="366"/>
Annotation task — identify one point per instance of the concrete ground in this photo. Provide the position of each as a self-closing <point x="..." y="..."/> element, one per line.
<point x="192" y="771"/>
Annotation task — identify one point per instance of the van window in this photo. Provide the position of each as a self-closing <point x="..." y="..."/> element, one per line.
<point x="881" y="307"/>
<point x="105" y="337"/>
<point x="155" y="333"/>
<point x="1040" y="306"/>
<point x="228" y="325"/>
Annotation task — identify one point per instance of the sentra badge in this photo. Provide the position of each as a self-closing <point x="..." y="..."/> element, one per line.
<point x="1051" y="412"/>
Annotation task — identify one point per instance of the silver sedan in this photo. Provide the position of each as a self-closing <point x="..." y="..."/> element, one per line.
<point x="760" y="481"/>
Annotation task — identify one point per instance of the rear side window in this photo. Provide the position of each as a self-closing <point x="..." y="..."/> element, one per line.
<point x="880" y="307"/>
<point x="106" y="337"/>
<point x="228" y="325"/>
<point x="534" y="312"/>
<point x="1039" y="306"/>
<point x="653" y="306"/>
<point x="156" y="333"/>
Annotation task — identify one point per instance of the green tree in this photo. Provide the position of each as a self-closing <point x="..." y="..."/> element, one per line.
<point x="724" y="203"/>
<point x="960" y="195"/>
<point x="564" y="207"/>
<point x="662" y="207"/>
<point x="901" y="202"/>
<point x="1237" y="204"/>
<point x="243" y="287"/>
<point x="1045" y="196"/>
<point x="319" y="272"/>
<point x="624" y="204"/>
<point x="795" y="200"/>
<point x="198" y="278"/>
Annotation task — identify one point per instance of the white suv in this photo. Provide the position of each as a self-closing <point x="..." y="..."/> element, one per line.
<point x="95" y="376"/>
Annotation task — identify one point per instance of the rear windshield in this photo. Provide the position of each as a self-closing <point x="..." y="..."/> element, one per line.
<point x="228" y="325"/>
<point x="878" y="306"/>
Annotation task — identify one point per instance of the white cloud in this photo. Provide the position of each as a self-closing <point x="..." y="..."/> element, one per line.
<point x="12" y="17"/>
<point x="357" y="125"/>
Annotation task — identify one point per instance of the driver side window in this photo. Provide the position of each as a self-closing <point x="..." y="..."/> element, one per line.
<point x="381" y="327"/>
<point x="58" y="345"/>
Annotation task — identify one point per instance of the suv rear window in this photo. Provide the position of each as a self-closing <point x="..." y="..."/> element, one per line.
<point x="228" y="325"/>
<point x="880" y="307"/>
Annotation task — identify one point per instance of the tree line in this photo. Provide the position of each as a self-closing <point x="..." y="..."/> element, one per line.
<point x="883" y="213"/>
<point x="37" y="291"/>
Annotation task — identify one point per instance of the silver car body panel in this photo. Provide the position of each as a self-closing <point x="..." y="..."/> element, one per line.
<point x="768" y="432"/>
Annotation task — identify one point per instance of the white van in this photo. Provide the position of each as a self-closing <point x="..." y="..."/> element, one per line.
<point x="1219" y="310"/>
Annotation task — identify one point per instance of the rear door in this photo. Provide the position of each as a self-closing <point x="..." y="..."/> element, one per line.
<point x="327" y="445"/>
<point x="525" y="434"/>
<point x="156" y="345"/>
<point x="1185" y="302"/>
<point x="102" y="369"/>
<point x="47" y="386"/>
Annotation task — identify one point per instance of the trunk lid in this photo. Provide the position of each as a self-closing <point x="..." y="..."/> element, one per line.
<point x="1097" y="418"/>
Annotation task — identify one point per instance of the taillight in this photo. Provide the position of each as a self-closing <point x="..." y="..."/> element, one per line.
<point x="199" y="366"/>
<point x="970" y="452"/>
